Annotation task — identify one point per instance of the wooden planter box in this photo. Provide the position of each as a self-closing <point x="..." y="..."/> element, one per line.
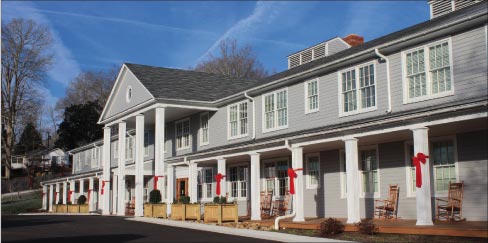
<point x="220" y="213"/>
<point x="60" y="208"/>
<point x="73" y="208"/>
<point x="193" y="211"/>
<point x="159" y="210"/>
<point x="178" y="211"/>
<point x="84" y="208"/>
<point x="148" y="212"/>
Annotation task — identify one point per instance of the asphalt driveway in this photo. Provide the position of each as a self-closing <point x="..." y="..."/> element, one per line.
<point x="91" y="229"/>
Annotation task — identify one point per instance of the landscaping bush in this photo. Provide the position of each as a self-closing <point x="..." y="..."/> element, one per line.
<point x="155" y="196"/>
<point x="367" y="227"/>
<point x="184" y="199"/>
<point x="331" y="226"/>
<point x="69" y="203"/>
<point x="60" y="202"/>
<point x="81" y="199"/>
<point x="220" y="200"/>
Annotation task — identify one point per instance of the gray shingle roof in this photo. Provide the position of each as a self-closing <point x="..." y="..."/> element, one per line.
<point x="168" y="83"/>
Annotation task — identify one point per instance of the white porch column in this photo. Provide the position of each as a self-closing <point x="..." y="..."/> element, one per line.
<point x="51" y="199"/>
<point x="192" y="182"/>
<point x="352" y="162"/>
<point x="170" y="174"/>
<point x="423" y="194"/>
<point x="139" y="210"/>
<point x="114" y="194"/>
<point x="221" y="168"/>
<point x="72" y="189"/>
<point x="44" y="197"/>
<point x="159" y="147"/>
<point x="121" y="170"/>
<point x="106" y="171"/>
<point x="58" y="194"/>
<point x="82" y="186"/>
<point x="65" y="192"/>
<point x="255" y="186"/>
<point x="299" y="202"/>
<point x="91" y="194"/>
<point x="100" y="196"/>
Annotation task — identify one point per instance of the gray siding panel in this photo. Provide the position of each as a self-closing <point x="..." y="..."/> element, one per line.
<point x="472" y="163"/>
<point x="335" y="46"/>
<point x="333" y="206"/>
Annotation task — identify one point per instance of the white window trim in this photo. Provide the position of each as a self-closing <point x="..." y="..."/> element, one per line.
<point x="127" y="97"/>
<point x="308" y="177"/>
<point x="307" y="105"/>
<point x="189" y="134"/>
<point x="204" y="184"/>
<point x="362" y="193"/>
<point x="411" y="192"/>
<point x="239" y="135"/>
<point x="200" y="132"/>
<point x="359" y="110"/>
<point x="146" y="148"/>
<point x="129" y="138"/>
<point x="229" y="187"/>
<point x="276" y="127"/>
<point x="276" y="184"/>
<point x="343" y="176"/>
<point x="456" y="161"/>
<point x="429" y="96"/>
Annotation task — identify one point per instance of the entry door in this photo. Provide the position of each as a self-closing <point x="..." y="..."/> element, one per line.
<point x="181" y="188"/>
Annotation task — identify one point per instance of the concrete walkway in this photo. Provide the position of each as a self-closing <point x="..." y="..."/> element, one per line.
<point x="266" y="235"/>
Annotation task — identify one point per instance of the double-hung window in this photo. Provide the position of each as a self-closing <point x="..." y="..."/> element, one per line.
<point x="276" y="177"/>
<point x="411" y="176"/>
<point x="204" y="128"/>
<point x="428" y="72"/>
<point x="129" y="146"/>
<point x="443" y="161"/>
<point x="207" y="184"/>
<point x="146" y="143"/>
<point x="313" y="171"/>
<point x="238" y="177"/>
<point x="93" y="157"/>
<point x="237" y="120"/>
<point x="358" y="89"/>
<point x="343" y="174"/>
<point x="369" y="173"/>
<point x="311" y="96"/>
<point x="116" y="149"/>
<point x="275" y="108"/>
<point x="183" y="134"/>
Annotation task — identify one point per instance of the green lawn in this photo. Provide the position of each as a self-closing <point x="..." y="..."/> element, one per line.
<point x="21" y="206"/>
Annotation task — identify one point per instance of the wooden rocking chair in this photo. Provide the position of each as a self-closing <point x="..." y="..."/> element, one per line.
<point x="130" y="207"/>
<point x="282" y="206"/>
<point x="387" y="208"/>
<point x="452" y="208"/>
<point x="266" y="203"/>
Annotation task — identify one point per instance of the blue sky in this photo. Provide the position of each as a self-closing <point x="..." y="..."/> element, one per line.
<point x="100" y="35"/>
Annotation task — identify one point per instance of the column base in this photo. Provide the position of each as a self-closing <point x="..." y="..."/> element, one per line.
<point x="352" y="221"/>
<point x="256" y="218"/>
<point x="427" y="223"/>
<point x="298" y="219"/>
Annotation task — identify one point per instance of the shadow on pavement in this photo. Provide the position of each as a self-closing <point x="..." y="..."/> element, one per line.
<point x="83" y="239"/>
<point x="23" y="222"/>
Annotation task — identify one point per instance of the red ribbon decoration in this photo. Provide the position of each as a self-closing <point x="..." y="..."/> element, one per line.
<point x="69" y="195"/>
<point x="421" y="158"/>
<point x="292" y="175"/>
<point x="156" y="178"/>
<point x="218" y="178"/>
<point x="103" y="186"/>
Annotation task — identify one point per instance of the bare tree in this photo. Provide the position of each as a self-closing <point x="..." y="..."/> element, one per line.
<point x="88" y="86"/>
<point x="24" y="64"/>
<point x="234" y="61"/>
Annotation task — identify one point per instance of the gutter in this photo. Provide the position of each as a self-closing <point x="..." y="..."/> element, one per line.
<point x="253" y="115"/>
<point x="277" y="220"/>
<point x="377" y="52"/>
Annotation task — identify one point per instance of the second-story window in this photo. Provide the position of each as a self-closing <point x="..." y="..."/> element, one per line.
<point x="204" y="128"/>
<point x="237" y="120"/>
<point x="275" y="107"/>
<point x="311" y="96"/>
<point x="358" y="96"/>
<point x="183" y="134"/>
<point x="428" y="72"/>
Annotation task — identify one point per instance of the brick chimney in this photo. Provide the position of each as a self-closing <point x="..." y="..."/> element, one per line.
<point x="354" y="40"/>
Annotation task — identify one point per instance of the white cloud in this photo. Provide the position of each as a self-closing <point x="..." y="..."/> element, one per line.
<point x="64" y="67"/>
<point x="263" y="14"/>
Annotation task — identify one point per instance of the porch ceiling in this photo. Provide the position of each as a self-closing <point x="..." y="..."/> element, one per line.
<point x="171" y="114"/>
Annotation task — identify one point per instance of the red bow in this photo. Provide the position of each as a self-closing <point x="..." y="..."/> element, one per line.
<point x="103" y="186"/>
<point x="421" y="158"/>
<point x="292" y="175"/>
<point x="218" y="178"/>
<point x="69" y="196"/>
<point x="156" y="178"/>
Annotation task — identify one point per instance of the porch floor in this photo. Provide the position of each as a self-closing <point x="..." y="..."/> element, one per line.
<point x="394" y="226"/>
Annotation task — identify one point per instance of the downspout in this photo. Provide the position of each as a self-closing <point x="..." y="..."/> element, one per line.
<point x="253" y="115"/>
<point x="277" y="220"/>
<point x="377" y="52"/>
